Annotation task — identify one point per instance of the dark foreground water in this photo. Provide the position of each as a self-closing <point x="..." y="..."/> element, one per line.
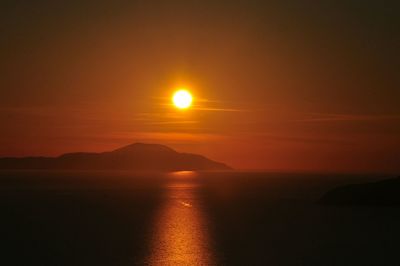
<point x="186" y="218"/>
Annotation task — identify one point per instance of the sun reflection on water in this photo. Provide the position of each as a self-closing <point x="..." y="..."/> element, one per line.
<point x="180" y="235"/>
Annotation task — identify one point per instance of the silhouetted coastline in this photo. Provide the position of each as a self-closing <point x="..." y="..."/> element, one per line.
<point x="384" y="193"/>
<point x="136" y="157"/>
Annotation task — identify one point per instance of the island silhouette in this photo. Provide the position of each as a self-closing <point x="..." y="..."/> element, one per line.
<point x="137" y="157"/>
<point x="380" y="193"/>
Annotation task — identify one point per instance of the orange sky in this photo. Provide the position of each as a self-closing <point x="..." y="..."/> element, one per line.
<point x="276" y="86"/>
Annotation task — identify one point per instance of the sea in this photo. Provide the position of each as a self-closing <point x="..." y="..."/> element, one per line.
<point x="189" y="218"/>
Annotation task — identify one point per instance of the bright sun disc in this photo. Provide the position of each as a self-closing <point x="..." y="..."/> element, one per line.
<point x="182" y="99"/>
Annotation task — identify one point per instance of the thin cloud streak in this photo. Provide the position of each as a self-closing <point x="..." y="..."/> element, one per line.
<point x="219" y="109"/>
<point x="172" y="122"/>
<point x="347" y="117"/>
<point x="172" y="136"/>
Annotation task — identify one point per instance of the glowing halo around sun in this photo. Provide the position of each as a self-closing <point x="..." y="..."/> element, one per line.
<point x="182" y="99"/>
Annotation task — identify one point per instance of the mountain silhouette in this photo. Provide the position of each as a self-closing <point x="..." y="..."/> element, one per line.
<point x="384" y="192"/>
<point x="138" y="156"/>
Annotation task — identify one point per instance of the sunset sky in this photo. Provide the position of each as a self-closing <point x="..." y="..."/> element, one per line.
<point x="278" y="85"/>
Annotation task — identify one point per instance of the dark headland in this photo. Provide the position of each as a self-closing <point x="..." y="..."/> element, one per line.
<point x="137" y="157"/>
<point x="380" y="193"/>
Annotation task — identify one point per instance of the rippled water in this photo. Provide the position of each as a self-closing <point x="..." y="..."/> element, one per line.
<point x="180" y="235"/>
<point x="188" y="218"/>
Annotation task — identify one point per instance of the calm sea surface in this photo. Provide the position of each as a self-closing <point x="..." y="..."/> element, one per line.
<point x="188" y="218"/>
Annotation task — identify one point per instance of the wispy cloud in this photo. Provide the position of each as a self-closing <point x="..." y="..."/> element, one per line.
<point x="320" y="117"/>
<point x="309" y="140"/>
<point x="172" y="136"/>
<point x="203" y="104"/>
<point x="218" y="109"/>
<point x="171" y="122"/>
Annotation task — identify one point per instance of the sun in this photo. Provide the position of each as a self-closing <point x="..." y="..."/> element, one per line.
<point x="182" y="99"/>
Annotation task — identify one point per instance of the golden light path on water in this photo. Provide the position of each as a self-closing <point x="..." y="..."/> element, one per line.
<point x="180" y="235"/>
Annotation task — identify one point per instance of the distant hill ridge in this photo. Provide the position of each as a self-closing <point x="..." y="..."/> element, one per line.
<point x="380" y="193"/>
<point x="137" y="156"/>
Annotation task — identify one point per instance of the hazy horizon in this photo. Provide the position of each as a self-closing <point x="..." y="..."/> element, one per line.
<point x="277" y="126"/>
<point x="276" y="85"/>
<point x="260" y="170"/>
